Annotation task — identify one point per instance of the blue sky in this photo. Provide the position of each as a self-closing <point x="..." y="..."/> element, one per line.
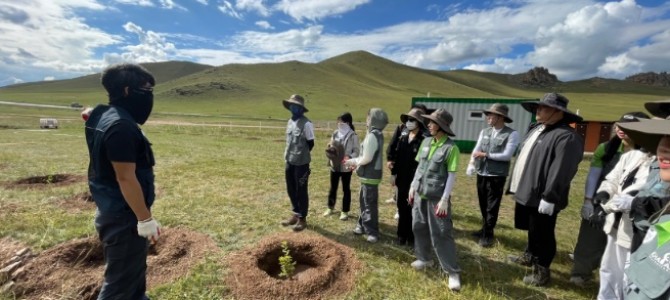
<point x="575" y="39"/>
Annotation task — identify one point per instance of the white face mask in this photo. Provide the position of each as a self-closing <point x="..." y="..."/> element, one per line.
<point x="411" y="125"/>
<point x="343" y="127"/>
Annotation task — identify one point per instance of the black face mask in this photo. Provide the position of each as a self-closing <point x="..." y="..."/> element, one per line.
<point x="138" y="103"/>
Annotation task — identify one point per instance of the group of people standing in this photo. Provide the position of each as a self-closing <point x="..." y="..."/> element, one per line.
<point x="625" y="227"/>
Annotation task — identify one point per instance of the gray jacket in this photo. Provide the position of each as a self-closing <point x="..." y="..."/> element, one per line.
<point x="550" y="166"/>
<point x="351" y="147"/>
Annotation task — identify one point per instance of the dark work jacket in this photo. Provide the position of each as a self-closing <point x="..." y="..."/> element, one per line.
<point x="404" y="157"/>
<point x="391" y="152"/>
<point x="551" y="164"/>
<point x="104" y="188"/>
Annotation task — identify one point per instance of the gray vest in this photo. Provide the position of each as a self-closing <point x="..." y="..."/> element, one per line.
<point x="494" y="145"/>
<point x="297" y="149"/>
<point x="373" y="170"/>
<point x="432" y="172"/>
<point x="649" y="270"/>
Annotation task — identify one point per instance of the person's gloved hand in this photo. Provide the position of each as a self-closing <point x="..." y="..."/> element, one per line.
<point x="470" y="170"/>
<point x="619" y="203"/>
<point x="546" y="208"/>
<point x="410" y="197"/>
<point x="587" y="209"/>
<point x="597" y="219"/>
<point x="149" y="229"/>
<point x="442" y="208"/>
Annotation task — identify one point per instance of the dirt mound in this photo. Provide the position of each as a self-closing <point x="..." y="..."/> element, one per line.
<point x="46" y="181"/>
<point x="8" y="248"/>
<point x="75" y="269"/>
<point x="323" y="268"/>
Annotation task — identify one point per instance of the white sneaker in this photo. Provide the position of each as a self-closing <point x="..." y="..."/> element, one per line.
<point x="372" y="239"/>
<point x="358" y="230"/>
<point x="396" y="216"/>
<point x="344" y="216"/>
<point x="420" y="264"/>
<point x="328" y="212"/>
<point x="455" y="282"/>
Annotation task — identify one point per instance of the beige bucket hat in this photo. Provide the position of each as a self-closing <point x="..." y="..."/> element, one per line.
<point x="295" y="99"/>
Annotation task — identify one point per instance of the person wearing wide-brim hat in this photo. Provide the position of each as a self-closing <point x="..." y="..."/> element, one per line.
<point x="403" y="165"/>
<point x="540" y="181"/>
<point x="592" y="239"/>
<point x="490" y="159"/>
<point x="299" y="143"/>
<point x="430" y="197"/>
<point x="647" y="273"/>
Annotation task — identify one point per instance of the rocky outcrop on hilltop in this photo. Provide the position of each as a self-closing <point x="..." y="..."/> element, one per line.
<point x="651" y="78"/>
<point x="539" y="77"/>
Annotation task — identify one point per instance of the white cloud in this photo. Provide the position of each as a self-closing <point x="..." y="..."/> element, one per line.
<point x="227" y="8"/>
<point x="317" y="9"/>
<point x="203" y="2"/>
<point x="49" y="78"/>
<point x="282" y="42"/>
<point x="264" y="25"/>
<point x="253" y="5"/>
<point x="136" y="2"/>
<point x="48" y="34"/>
<point x="153" y="47"/>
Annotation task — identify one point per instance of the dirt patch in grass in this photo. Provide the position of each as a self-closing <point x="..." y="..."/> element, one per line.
<point x="8" y="249"/>
<point x="78" y="202"/>
<point x="323" y="268"/>
<point x="46" y="181"/>
<point x="74" y="270"/>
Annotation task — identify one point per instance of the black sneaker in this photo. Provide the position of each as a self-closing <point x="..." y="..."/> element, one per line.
<point x="524" y="259"/>
<point x="486" y="241"/>
<point x="539" y="277"/>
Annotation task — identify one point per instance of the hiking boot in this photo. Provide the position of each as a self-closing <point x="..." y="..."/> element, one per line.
<point x="539" y="277"/>
<point x="421" y="264"/>
<point x="302" y="224"/>
<point x="579" y="280"/>
<point x="344" y="216"/>
<point x="524" y="259"/>
<point x="372" y="239"/>
<point x="328" y="212"/>
<point x="455" y="282"/>
<point x="358" y="230"/>
<point x="292" y="220"/>
<point x="486" y="241"/>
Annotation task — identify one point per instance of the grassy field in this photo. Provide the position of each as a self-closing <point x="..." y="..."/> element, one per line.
<point x="228" y="183"/>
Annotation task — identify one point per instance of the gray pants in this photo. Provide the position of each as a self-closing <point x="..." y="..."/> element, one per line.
<point x="429" y="230"/>
<point x="369" y="219"/>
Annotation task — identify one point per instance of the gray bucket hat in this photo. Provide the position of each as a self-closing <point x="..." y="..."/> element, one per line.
<point x="413" y="113"/>
<point x="646" y="133"/>
<point x="499" y="109"/>
<point x="553" y="100"/>
<point x="443" y="119"/>
<point x="295" y="99"/>
<point x="659" y="109"/>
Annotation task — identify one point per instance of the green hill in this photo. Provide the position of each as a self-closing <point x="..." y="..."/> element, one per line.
<point x="352" y="82"/>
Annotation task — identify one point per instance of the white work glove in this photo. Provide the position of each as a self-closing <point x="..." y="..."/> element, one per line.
<point x="442" y="208"/>
<point x="546" y="208"/>
<point x="587" y="209"/>
<point x="619" y="203"/>
<point x="470" y="170"/>
<point x="350" y="164"/>
<point x="410" y="197"/>
<point x="149" y="229"/>
<point x="392" y="179"/>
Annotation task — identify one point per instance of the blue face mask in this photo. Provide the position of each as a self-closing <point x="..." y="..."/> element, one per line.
<point x="296" y="111"/>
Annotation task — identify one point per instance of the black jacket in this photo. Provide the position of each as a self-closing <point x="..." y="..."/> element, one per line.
<point x="551" y="164"/>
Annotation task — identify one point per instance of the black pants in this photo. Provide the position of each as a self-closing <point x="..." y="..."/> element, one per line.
<point x="490" y="191"/>
<point x="541" y="235"/>
<point x="297" y="178"/>
<point x="125" y="257"/>
<point x="589" y="250"/>
<point x="346" y="190"/>
<point x="404" y="210"/>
